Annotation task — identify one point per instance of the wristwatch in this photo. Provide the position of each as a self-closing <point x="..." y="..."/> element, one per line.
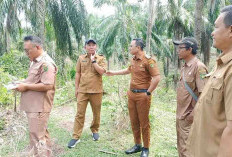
<point x="94" y="61"/>
<point x="148" y="93"/>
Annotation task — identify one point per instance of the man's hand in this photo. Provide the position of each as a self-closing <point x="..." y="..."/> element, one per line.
<point x="22" y="87"/>
<point x="76" y="93"/>
<point x="109" y="73"/>
<point x="92" y="57"/>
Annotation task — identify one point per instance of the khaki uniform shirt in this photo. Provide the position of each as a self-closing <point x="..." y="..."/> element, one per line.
<point x="42" y="70"/>
<point x="142" y="70"/>
<point x="194" y="71"/>
<point x="213" y="110"/>
<point x="90" y="80"/>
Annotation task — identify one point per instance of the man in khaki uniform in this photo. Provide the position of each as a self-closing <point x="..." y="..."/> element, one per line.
<point x="90" y="68"/>
<point x="192" y="74"/>
<point x="38" y="91"/>
<point x="145" y="77"/>
<point x="211" y="132"/>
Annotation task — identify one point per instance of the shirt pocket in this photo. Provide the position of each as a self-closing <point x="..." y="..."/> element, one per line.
<point x="34" y="75"/>
<point x="214" y="95"/>
<point x="34" y="71"/>
<point x="83" y="67"/>
<point x="142" y="69"/>
<point x="190" y="81"/>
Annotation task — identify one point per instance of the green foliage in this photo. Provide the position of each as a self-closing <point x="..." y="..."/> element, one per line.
<point x="16" y="63"/>
<point x="6" y="97"/>
<point x="2" y="123"/>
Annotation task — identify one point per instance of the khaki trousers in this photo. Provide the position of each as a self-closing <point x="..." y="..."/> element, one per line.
<point x="39" y="135"/>
<point x="95" y="100"/>
<point x="139" y="106"/>
<point x="183" y="127"/>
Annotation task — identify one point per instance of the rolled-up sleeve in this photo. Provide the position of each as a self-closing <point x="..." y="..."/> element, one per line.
<point x="228" y="94"/>
<point x="102" y="63"/>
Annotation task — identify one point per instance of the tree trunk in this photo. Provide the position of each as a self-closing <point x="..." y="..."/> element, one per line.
<point x="177" y="64"/>
<point x="40" y="20"/>
<point x="198" y="21"/>
<point x="8" y="40"/>
<point x="206" y="47"/>
<point x="150" y="25"/>
<point x="108" y="64"/>
<point x="9" y="25"/>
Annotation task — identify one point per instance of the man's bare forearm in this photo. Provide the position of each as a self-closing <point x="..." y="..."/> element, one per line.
<point x="77" y="80"/>
<point x="99" y="69"/>
<point x="40" y="87"/>
<point x="120" y="72"/>
<point x="154" y="82"/>
<point x="226" y="141"/>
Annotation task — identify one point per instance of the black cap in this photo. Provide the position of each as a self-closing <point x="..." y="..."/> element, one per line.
<point x="90" y="41"/>
<point x="188" y="41"/>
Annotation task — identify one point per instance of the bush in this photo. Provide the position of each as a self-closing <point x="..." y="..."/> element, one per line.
<point x="16" y="63"/>
<point x="5" y="96"/>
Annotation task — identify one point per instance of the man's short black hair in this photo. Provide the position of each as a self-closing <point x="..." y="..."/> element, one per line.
<point x="34" y="39"/>
<point x="228" y="15"/>
<point x="139" y="42"/>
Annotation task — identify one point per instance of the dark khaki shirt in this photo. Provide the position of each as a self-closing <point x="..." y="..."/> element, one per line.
<point x="42" y="70"/>
<point x="193" y="71"/>
<point x="142" y="70"/>
<point x="90" y="79"/>
<point x="213" y="110"/>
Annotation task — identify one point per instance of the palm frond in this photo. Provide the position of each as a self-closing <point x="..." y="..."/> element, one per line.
<point x="61" y="28"/>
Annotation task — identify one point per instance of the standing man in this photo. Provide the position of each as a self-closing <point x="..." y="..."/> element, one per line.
<point x="37" y="93"/>
<point x="211" y="133"/>
<point x="89" y="88"/>
<point x="145" y="77"/>
<point x="189" y="88"/>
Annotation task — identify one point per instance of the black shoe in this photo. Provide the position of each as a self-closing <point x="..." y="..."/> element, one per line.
<point x="145" y="152"/>
<point x="95" y="136"/>
<point x="136" y="148"/>
<point x="72" y="143"/>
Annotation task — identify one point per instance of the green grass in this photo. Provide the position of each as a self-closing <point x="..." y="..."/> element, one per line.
<point x="115" y="130"/>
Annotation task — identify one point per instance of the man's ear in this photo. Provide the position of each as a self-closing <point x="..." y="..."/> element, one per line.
<point x="190" y="49"/>
<point x="230" y="31"/>
<point x="38" y="47"/>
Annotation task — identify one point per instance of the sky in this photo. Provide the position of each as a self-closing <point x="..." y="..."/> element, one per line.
<point x="105" y="10"/>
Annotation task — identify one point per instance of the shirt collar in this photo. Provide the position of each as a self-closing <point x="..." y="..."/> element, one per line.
<point x="96" y="55"/>
<point x="38" y="59"/>
<point x="139" y="58"/>
<point x="224" y="58"/>
<point x="191" y="61"/>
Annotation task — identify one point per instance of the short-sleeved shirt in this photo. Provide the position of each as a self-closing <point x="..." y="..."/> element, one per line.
<point x="42" y="70"/>
<point x="90" y="80"/>
<point x="142" y="70"/>
<point x="212" y="110"/>
<point x="193" y="72"/>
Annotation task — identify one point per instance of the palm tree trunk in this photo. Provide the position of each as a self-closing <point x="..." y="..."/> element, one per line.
<point x="206" y="47"/>
<point x="150" y="25"/>
<point x="176" y="60"/>
<point x="198" y="21"/>
<point x="40" y="20"/>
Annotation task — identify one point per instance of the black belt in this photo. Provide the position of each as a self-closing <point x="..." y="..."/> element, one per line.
<point x="139" y="90"/>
